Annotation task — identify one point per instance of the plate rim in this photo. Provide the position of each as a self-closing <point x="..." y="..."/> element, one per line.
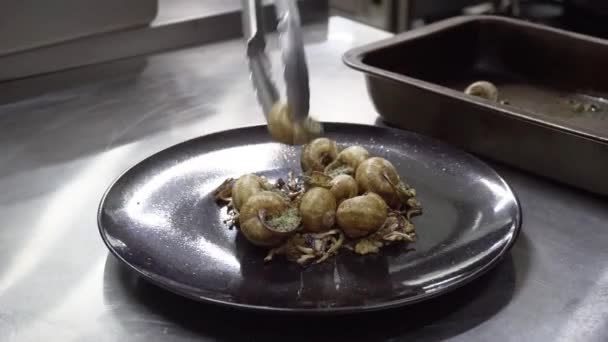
<point x="387" y="305"/>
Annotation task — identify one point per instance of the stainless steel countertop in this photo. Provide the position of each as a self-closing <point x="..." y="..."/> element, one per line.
<point x="66" y="136"/>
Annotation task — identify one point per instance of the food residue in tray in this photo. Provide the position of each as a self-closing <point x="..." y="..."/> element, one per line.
<point x="580" y="108"/>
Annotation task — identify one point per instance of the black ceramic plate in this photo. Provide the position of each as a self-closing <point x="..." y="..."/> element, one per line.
<point x="160" y="219"/>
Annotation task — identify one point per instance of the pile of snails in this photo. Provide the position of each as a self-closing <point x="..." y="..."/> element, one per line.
<point x="344" y="199"/>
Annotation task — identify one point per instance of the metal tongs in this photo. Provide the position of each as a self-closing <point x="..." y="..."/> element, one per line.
<point x="294" y="59"/>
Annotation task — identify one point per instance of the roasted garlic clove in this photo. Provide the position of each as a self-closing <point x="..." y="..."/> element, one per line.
<point x="266" y="219"/>
<point x="245" y="187"/>
<point x="378" y="175"/>
<point x="318" y="210"/>
<point x="347" y="161"/>
<point x="318" y="154"/>
<point x="283" y="128"/>
<point x="362" y="215"/>
<point x="343" y="187"/>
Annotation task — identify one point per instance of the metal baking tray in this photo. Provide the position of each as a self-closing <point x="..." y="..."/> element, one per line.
<point x="555" y="85"/>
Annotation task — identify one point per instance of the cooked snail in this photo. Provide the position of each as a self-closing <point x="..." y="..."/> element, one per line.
<point x="484" y="90"/>
<point x="223" y="193"/>
<point x="283" y="128"/>
<point x="318" y="210"/>
<point x="378" y="175"/>
<point x="266" y="219"/>
<point x="318" y="154"/>
<point x="344" y="200"/>
<point x="245" y="187"/>
<point x="343" y="187"/>
<point x="347" y="161"/>
<point x="361" y="215"/>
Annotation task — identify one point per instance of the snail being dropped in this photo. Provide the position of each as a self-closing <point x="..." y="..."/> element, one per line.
<point x="484" y="90"/>
<point x="317" y="154"/>
<point x="247" y="186"/>
<point x="379" y="176"/>
<point x="283" y="128"/>
<point x="266" y="219"/>
<point x="347" y="161"/>
<point x="318" y="210"/>
<point x="362" y="215"/>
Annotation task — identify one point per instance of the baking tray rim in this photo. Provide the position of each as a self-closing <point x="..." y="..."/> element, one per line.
<point x="354" y="59"/>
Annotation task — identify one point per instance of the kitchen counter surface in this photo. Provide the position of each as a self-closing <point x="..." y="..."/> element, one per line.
<point x="66" y="136"/>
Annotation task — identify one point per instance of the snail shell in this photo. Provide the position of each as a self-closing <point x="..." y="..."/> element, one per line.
<point x="318" y="154"/>
<point x="343" y="187"/>
<point x="362" y="215"/>
<point x="347" y="161"/>
<point x="251" y="224"/>
<point x="245" y="187"/>
<point x="379" y="176"/>
<point x="484" y="90"/>
<point x="283" y="128"/>
<point x="318" y="210"/>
